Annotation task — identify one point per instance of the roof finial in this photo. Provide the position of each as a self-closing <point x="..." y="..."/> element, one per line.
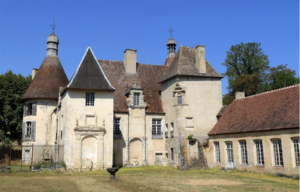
<point x="53" y="26"/>
<point x="171" y="30"/>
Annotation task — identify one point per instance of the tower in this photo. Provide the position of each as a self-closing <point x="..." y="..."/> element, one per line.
<point x="41" y="98"/>
<point x="171" y="44"/>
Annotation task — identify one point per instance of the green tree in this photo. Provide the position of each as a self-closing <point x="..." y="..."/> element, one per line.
<point x="247" y="68"/>
<point x="12" y="88"/>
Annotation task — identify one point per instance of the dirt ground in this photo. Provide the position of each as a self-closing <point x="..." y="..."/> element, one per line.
<point x="147" y="179"/>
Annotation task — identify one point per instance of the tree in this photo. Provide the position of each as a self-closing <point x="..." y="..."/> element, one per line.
<point x="12" y="88"/>
<point x="281" y="76"/>
<point x="247" y="68"/>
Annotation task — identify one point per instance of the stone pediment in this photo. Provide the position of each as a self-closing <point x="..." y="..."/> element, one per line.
<point x="90" y="129"/>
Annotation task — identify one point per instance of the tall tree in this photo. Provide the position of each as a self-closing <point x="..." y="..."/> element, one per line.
<point x="247" y="68"/>
<point x="12" y="88"/>
<point x="279" y="77"/>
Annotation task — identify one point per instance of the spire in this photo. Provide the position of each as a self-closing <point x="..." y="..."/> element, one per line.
<point x="171" y="44"/>
<point x="52" y="42"/>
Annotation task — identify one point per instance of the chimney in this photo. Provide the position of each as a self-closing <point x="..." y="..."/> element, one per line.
<point x="130" y="61"/>
<point x="200" y="58"/>
<point x="34" y="71"/>
<point x="239" y="95"/>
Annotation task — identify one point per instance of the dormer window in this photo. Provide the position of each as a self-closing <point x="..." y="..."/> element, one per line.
<point x="179" y="99"/>
<point x="136" y="99"/>
<point x="90" y="99"/>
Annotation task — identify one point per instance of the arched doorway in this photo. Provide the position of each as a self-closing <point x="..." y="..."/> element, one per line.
<point x="136" y="152"/>
<point x="89" y="152"/>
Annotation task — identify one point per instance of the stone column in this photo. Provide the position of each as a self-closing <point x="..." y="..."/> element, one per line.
<point x="101" y="151"/>
<point x="145" y="151"/>
<point x="127" y="153"/>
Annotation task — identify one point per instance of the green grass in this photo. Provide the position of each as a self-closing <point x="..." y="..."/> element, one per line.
<point x="147" y="179"/>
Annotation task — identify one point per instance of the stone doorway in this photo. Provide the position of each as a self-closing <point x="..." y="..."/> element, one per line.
<point x="89" y="152"/>
<point x="158" y="158"/>
<point x="136" y="152"/>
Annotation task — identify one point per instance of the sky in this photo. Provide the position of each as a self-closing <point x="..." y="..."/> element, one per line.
<point x="110" y="27"/>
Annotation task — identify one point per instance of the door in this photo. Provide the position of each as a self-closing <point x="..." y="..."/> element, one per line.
<point x="158" y="158"/>
<point x="229" y="150"/>
<point x="26" y="157"/>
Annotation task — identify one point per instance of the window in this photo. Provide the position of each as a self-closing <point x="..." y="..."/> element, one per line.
<point x="179" y="99"/>
<point x="259" y="152"/>
<point x="90" y="99"/>
<point x="296" y="150"/>
<point x="278" y="157"/>
<point x="28" y="130"/>
<point x="166" y="132"/>
<point x="229" y="150"/>
<point x="29" y="109"/>
<point x="117" y="131"/>
<point x="244" y="155"/>
<point x="217" y="152"/>
<point x="136" y="99"/>
<point x="156" y="129"/>
<point x="172" y="130"/>
<point x="172" y="154"/>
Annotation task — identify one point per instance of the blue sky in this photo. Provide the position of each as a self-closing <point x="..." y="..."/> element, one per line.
<point x="110" y="27"/>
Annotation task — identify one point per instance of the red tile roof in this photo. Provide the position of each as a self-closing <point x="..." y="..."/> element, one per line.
<point x="273" y="110"/>
<point x="184" y="64"/>
<point x="146" y="77"/>
<point x="48" y="79"/>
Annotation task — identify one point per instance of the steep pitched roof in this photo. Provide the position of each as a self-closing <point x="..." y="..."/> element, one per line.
<point x="184" y="64"/>
<point x="146" y="77"/>
<point x="273" y="110"/>
<point x="47" y="81"/>
<point x="89" y="74"/>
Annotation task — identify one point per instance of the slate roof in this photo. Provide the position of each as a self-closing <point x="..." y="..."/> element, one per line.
<point x="184" y="64"/>
<point x="147" y="78"/>
<point x="273" y="110"/>
<point x="89" y="75"/>
<point x="48" y="79"/>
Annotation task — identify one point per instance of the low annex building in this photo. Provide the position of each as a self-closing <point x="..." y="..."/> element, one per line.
<point x="258" y="133"/>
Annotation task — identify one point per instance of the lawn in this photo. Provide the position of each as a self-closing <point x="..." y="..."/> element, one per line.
<point x="147" y="179"/>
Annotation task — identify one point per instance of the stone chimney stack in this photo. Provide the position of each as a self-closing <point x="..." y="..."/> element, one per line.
<point x="34" y="71"/>
<point x="200" y="58"/>
<point x="130" y="61"/>
<point x="239" y="95"/>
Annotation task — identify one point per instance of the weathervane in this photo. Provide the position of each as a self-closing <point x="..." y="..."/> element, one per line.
<point x="53" y="26"/>
<point x="171" y="30"/>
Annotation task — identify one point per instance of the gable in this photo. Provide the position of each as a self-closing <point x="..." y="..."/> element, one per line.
<point x="89" y="74"/>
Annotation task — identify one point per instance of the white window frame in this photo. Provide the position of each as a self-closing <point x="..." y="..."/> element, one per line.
<point x="230" y="156"/>
<point x="136" y="99"/>
<point x="277" y="152"/>
<point x="296" y="144"/>
<point x="217" y="152"/>
<point x="157" y="129"/>
<point x="244" y="152"/>
<point x="259" y="151"/>
<point x="90" y="99"/>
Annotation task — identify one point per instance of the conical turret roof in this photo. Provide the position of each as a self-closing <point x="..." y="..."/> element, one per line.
<point x="46" y="83"/>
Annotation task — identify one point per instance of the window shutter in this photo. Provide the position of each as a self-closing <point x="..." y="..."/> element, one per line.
<point x="34" y="109"/>
<point x="23" y="131"/>
<point x="33" y="130"/>
<point x="24" y="110"/>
